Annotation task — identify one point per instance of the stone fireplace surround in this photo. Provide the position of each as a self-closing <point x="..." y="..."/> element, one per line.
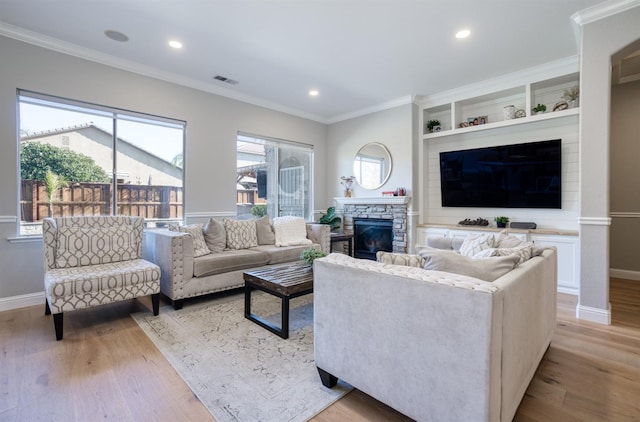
<point x="385" y="208"/>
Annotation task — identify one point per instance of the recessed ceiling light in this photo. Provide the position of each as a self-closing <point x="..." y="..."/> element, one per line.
<point x="314" y="92"/>
<point x="175" y="44"/>
<point x="463" y="34"/>
<point x="116" y="35"/>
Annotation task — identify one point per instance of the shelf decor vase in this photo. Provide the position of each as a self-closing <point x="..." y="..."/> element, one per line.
<point x="348" y="193"/>
<point x="509" y="112"/>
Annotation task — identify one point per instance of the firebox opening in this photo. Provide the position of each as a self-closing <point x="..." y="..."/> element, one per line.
<point x="372" y="235"/>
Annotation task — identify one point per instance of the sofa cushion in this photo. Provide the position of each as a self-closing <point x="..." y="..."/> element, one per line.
<point x="523" y="252"/>
<point x="215" y="235"/>
<point x="400" y="259"/>
<point x="282" y="254"/>
<point x="264" y="230"/>
<point x="227" y="261"/>
<point x="200" y="247"/>
<point x="241" y="234"/>
<point x="474" y="243"/>
<point x="290" y="231"/>
<point x="79" y="246"/>
<point x="487" y="269"/>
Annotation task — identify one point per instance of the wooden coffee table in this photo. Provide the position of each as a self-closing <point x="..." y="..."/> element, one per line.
<point x="285" y="281"/>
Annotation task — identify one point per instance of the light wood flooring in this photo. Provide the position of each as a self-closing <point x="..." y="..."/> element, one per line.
<point x="106" y="368"/>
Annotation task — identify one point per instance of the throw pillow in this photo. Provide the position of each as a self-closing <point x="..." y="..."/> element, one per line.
<point x="400" y="259"/>
<point x="264" y="230"/>
<point x="290" y="231"/>
<point x="505" y="240"/>
<point x="474" y="243"/>
<point x="215" y="235"/>
<point x="200" y="247"/>
<point x="523" y="252"/>
<point x="487" y="269"/>
<point x="440" y="242"/>
<point x="241" y="234"/>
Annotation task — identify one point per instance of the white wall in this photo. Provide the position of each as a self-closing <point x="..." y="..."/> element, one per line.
<point x="600" y="40"/>
<point x="393" y="128"/>
<point x="564" y="128"/>
<point x="210" y="155"/>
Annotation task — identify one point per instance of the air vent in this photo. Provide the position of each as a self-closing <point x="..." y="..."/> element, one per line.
<point x="225" y="80"/>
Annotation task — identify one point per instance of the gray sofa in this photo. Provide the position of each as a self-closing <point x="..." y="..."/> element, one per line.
<point x="434" y="345"/>
<point x="185" y="276"/>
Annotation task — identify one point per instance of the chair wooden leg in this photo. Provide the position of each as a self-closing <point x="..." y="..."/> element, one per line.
<point x="57" y="323"/>
<point x="47" y="309"/>
<point x="155" y="301"/>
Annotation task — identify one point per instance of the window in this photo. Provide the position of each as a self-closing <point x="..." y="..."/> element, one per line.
<point x="273" y="177"/>
<point x="83" y="159"/>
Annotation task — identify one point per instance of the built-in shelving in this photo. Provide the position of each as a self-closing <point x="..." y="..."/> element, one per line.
<point x="452" y="115"/>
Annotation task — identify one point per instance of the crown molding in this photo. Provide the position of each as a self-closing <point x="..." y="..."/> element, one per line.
<point x="603" y="10"/>
<point x="54" y="44"/>
<point x="397" y="102"/>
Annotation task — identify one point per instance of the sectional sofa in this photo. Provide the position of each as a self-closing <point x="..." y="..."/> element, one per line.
<point x="434" y="345"/>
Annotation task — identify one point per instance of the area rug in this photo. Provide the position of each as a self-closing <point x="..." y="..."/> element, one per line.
<point x="239" y="370"/>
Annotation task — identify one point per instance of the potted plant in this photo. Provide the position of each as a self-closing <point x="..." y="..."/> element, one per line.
<point x="539" y="109"/>
<point x="330" y="218"/>
<point x="432" y="124"/>
<point x="502" y="221"/>
<point x="308" y="255"/>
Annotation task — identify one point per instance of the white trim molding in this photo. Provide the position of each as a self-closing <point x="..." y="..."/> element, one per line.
<point x="624" y="214"/>
<point x="626" y="274"/>
<point x="8" y="218"/>
<point x="587" y="313"/>
<point x="204" y="214"/>
<point x="381" y="200"/>
<point x="603" y="10"/>
<point x="22" y="301"/>
<point x="594" y="221"/>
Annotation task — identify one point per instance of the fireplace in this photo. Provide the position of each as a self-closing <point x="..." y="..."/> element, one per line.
<point x="372" y="235"/>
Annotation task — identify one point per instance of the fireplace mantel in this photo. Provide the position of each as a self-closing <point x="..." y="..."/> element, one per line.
<point x="378" y="200"/>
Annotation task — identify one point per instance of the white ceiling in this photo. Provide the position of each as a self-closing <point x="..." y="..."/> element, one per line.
<point x="360" y="54"/>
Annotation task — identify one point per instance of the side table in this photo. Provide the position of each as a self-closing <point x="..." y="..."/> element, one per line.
<point x="343" y="237"/>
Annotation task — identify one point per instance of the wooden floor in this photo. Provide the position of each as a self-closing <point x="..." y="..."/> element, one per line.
<point x="106" y="368"/>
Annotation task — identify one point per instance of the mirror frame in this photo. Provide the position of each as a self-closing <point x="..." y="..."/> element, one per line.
<point x="385" y="150"/>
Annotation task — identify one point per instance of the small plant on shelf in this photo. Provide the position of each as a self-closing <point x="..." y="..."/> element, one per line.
<point x="502" y="221"/>
<point x="431" y="124"/>
<point x="571" y="95"/>
<point x="308" y="255"/>
<point x="540" y="108"/>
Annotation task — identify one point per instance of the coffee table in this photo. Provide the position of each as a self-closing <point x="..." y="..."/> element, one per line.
<point x="285" y="281"/>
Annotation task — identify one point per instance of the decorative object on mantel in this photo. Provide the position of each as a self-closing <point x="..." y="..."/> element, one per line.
<point x="330" y="218"/>
<point x="388" y="193"/>
<point x="539" y="109"/>
<point x="347" y="182"/>
<point x="571" y="95"/>
<point x="400" y="192"/>
<point x="476" y="222"/>
<point x="501" y="221"/>
<point x="432" y="124"/>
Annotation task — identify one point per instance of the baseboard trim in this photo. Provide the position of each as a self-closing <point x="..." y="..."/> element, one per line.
<point x="569" y="290"/>
<point x="587" y="313"/>
<point x="21" y="301"/>
<point x="626" y="274"/>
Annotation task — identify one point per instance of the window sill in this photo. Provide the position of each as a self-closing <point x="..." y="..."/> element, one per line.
<point x="25" y="239"/>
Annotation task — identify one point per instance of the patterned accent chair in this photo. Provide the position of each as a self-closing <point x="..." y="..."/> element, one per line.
<point x="93" y="260"/>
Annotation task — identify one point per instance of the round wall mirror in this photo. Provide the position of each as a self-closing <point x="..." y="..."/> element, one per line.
<point x="372" y="165"/>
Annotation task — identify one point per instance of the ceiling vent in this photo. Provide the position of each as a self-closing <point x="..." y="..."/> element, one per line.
<point x="225" y="80"/>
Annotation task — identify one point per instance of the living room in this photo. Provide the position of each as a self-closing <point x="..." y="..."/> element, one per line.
<point x="44" y="66"/>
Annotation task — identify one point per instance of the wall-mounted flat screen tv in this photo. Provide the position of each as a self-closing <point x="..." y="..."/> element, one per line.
<point x="508" y="176"/>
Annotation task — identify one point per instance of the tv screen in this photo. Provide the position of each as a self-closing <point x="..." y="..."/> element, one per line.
<point x="509" y="176"/>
